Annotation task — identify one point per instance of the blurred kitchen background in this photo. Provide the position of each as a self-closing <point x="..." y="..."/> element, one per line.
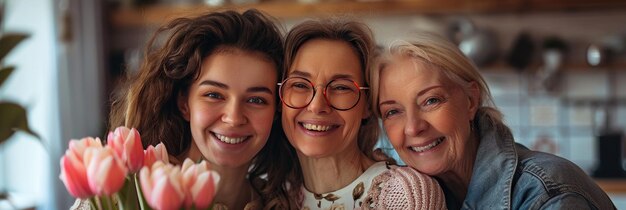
<point x="557" y="69"/>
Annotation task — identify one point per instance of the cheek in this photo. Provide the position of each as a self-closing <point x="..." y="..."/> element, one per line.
<point x="288" y="115"/>
<point x="201" y="115"/>
<point x="395" y="133"/>
<point x="451" y="121"/>
<point x="262" y="121"/>
<point x="352" y="121"/>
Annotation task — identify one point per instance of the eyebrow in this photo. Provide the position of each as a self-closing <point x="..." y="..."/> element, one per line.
<point x="422" y="92"/>
<point x="224" y="86"/>
<point x="259" y="90"/>
<point x="213" y="83"/>
<point x="308" y="75"/>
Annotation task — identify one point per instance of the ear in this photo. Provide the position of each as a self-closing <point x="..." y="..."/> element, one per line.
<point x="183" y="105"/>
<point x="474" y="99"/>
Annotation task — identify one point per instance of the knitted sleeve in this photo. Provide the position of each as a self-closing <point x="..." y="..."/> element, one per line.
<point x="81" y="205"/>
<point x="405" y="188"/>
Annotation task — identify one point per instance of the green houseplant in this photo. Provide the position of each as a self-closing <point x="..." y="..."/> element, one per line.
<point x="12" y="115"/>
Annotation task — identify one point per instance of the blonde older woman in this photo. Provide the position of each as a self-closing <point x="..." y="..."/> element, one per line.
<point x="438" y="113"/>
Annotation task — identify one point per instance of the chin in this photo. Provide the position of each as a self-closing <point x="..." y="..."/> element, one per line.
<point x="231" y="162"/>
<point x="312" y="152"/>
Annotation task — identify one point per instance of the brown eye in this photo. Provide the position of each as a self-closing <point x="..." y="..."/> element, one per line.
<point x="257" y="100"/>
<point x="214" y="95"/>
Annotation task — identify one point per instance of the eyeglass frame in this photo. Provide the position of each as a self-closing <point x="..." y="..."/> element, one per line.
<point x="280" y="92"/>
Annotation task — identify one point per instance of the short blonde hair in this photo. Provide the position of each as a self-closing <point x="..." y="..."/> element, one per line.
<point x="440" y="53"/>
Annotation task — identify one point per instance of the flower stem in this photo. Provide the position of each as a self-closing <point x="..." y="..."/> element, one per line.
<point x="119" y="201"/>
<point x="100" y="203"/>
<point x="142" y="200"/>
<point x="95" y="203"/>
<point x="106" y="203"/>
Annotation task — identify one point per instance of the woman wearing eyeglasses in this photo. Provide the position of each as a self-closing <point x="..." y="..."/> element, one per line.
<point x="327" y="120"/>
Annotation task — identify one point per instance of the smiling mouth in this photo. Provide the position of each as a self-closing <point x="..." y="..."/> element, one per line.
<point x="317" y="128"/>
<point x="230" y="140"/>
<point x="429" y="146"/>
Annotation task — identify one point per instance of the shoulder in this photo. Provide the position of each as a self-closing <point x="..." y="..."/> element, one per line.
<point x="549" y="168"/>
<point x="404" y="187"/>
<point x="547" y="177"/>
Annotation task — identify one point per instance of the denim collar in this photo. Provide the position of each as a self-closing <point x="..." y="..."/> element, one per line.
<point x="494" y="167"/>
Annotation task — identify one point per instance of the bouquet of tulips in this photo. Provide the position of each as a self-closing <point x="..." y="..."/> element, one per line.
<point x="122" y="175"/>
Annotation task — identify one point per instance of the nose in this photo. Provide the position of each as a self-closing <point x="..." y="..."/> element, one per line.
<point x="319" y="104"/>
<point x="415" y="125"/>
<point x="234" y="115"/>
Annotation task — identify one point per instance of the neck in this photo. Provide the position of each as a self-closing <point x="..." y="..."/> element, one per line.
<point x="233" y="190"/>
<point x="458" y="179"/>
<point x="342" y="169"/>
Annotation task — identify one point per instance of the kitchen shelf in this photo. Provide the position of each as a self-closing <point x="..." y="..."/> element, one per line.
<point x="158" y="14"/>
<point x="572" y="64"/>
<point x="612" y="185"/>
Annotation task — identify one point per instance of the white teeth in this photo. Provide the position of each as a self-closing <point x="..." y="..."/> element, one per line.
<point x="316" y="127"/>
<point x="427" y="147"/>
<point x="230" y="140"/>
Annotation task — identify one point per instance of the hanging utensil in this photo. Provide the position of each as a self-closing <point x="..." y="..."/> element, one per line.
<point x="480" y="45"/>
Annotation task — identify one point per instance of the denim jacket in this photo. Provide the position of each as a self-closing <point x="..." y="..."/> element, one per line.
<point x="507" y="175"/>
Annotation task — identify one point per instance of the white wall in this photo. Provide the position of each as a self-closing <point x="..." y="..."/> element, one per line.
<point x="25" y="168"/>
<point x="60" y="83"/>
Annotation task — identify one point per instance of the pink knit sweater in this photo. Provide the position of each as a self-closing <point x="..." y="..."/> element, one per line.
<point x="382" y="187"/>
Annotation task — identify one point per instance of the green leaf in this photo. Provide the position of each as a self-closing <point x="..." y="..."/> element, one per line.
<point x="13" y="119"/>
<point x="8" y="42"/>
<point x="5" y="73"/>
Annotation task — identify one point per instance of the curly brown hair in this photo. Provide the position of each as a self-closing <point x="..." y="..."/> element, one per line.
<point x="150" y="102"/>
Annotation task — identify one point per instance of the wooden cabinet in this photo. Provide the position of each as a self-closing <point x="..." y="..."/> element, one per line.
<point x="158" y="14"/>
<point x="616" y="186"/>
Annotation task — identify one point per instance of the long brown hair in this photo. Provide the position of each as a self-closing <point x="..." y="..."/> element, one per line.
<point x="149" y="104"/>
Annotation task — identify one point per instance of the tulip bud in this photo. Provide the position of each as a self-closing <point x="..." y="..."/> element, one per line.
<point x="200" y="183"/>
<point x="161" y="186"/>
<point x="74" y="176"/>
<point x="105" y="172"/>
<point x="73" y="169"/>
<point x="127" y="144"/>
<point x="153" y="154"/>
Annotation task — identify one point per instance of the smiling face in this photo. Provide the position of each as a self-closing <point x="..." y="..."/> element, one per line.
<point x="230" y="106"/>
<point x="318" y="130"/>
<point x="425" y="116"/>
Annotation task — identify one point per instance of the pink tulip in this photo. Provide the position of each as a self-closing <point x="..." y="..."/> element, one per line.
<point x="106" y="173"/>
<point x="200" y="184"/>
<point x="162" y="186"/>
<point x="153" y="154"/>
<point x="73" y="170"/>
<point x="74" y="176"/>
<point x="127" y="145"/>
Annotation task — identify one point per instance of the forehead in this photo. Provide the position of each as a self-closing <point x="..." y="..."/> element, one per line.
<point x="409" y="69"/>
<point x="324" y="57"/>
<point x="240" y="65"/>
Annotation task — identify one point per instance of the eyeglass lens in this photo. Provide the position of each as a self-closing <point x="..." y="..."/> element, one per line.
<point x="341" y="94"/>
